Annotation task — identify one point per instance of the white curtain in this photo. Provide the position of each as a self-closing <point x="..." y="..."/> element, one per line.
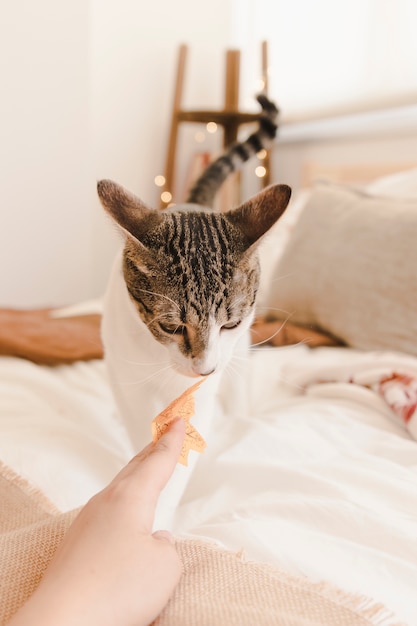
<point x="330" y="54"/>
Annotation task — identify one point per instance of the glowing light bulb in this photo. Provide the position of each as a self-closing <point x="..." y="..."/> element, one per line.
<point x="159" y="180"/>
<point x="260" y="171"/>
<point x="166" y="196"/>
<point x="211" y="127"/>
<point x="261" y="154"/>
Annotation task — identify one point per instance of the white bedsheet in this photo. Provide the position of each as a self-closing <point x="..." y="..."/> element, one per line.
<point x="318" y="479"/>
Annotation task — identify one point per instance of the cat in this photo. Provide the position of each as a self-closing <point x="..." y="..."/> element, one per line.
<point x="180" y="299"/>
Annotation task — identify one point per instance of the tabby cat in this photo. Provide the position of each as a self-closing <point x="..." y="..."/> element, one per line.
<point x="180" y="299"/>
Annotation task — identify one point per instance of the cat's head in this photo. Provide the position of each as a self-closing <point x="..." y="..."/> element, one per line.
<point x="192" y="273"/>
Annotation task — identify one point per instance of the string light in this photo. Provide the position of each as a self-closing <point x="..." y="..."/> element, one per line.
<point x="260" y="171"/>
<point x="159" y="180"/>
<point x="211" y="127"/>
<point x="199" y="136"/>
<point x="166" y="196"/>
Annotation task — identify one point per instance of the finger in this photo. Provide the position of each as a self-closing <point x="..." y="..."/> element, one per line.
<point x="156" y="462"/>
<point x="148" y="472"/>
<point x="162" y="457"/>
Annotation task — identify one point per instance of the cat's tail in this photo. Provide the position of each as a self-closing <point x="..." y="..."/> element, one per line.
<point x="207" y="185"/>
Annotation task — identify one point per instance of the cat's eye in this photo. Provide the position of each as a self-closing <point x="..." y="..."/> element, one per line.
<point x="174" y="329"/>
<point x="231" y="325"/>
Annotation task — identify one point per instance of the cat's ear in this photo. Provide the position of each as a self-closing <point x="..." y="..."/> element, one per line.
<point x="256" y="216"/>
<point x="130" y="213"/>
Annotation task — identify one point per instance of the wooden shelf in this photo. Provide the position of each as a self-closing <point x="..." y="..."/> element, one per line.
<point x="220" y="117"/>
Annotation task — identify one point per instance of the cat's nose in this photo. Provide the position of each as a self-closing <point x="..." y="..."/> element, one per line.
<point x="203" y="372"/>
<point x="208" y="372"/>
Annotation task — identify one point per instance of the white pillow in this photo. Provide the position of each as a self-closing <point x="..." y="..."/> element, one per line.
<point x="350" y="269"/>
<point x="400" y="185"/>
<point x="273" y="245"/>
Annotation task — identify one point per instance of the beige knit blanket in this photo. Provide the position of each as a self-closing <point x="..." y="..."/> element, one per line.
<point x="218" y="588"/>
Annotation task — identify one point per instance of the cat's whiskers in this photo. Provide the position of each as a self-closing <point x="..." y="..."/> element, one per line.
<point x="160" y="295"/>
<point x="172" y="374"/>
<point x="241" y="357"/>
<point x="235" y="372"/>
<point x="277" y="279"/>
<point x="167" y="315"/>
<point x="142" y="381"/>
<point x="245" y="358"/>
<point x="268" y="339"/>
<point x="141" y="363"/>
<point x="268" y="309"/>
<point x="236" y="303"/>
<point x="279" y="377"/>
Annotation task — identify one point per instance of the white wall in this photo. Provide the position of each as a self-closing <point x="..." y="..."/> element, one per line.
<point x="86" y="92"/>
<point x="332" y="53"/>
<point x="44" y="164"/>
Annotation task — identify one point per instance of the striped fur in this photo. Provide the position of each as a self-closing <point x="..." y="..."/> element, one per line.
<point x="199" y="273"/>
<point x="205" y="188"/>
<point x="193" y="273"/>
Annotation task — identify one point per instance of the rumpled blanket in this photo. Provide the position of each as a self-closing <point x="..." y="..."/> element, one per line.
<point x="217" y="586"/>
<point x="389" y="376"/>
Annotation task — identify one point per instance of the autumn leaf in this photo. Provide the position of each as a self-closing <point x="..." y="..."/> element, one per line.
<point x="184" y="407"/>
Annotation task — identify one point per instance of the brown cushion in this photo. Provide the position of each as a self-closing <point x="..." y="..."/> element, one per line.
<point x="37" y="336"/>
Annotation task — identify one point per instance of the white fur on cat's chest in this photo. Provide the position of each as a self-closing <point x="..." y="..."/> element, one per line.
<point x="141" y="376"/>
<point x="144" y="383"/>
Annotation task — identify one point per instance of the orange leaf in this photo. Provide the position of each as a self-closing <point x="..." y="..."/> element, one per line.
<point x="183" y="407"/>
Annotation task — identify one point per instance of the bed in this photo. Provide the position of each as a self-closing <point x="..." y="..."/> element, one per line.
<point x="312" y="494"/>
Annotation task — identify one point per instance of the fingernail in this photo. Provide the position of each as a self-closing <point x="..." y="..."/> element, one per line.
<point x="165" y="535"/>
<point x="176" y="423"/>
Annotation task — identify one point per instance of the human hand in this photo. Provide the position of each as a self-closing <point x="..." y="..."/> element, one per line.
<point x="110" y="569"/>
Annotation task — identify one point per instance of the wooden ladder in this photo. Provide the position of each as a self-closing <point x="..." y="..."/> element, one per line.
<point x="229" y="118"/>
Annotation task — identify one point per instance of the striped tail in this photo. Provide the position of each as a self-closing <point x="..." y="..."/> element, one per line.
<point x="207" y="185"/>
